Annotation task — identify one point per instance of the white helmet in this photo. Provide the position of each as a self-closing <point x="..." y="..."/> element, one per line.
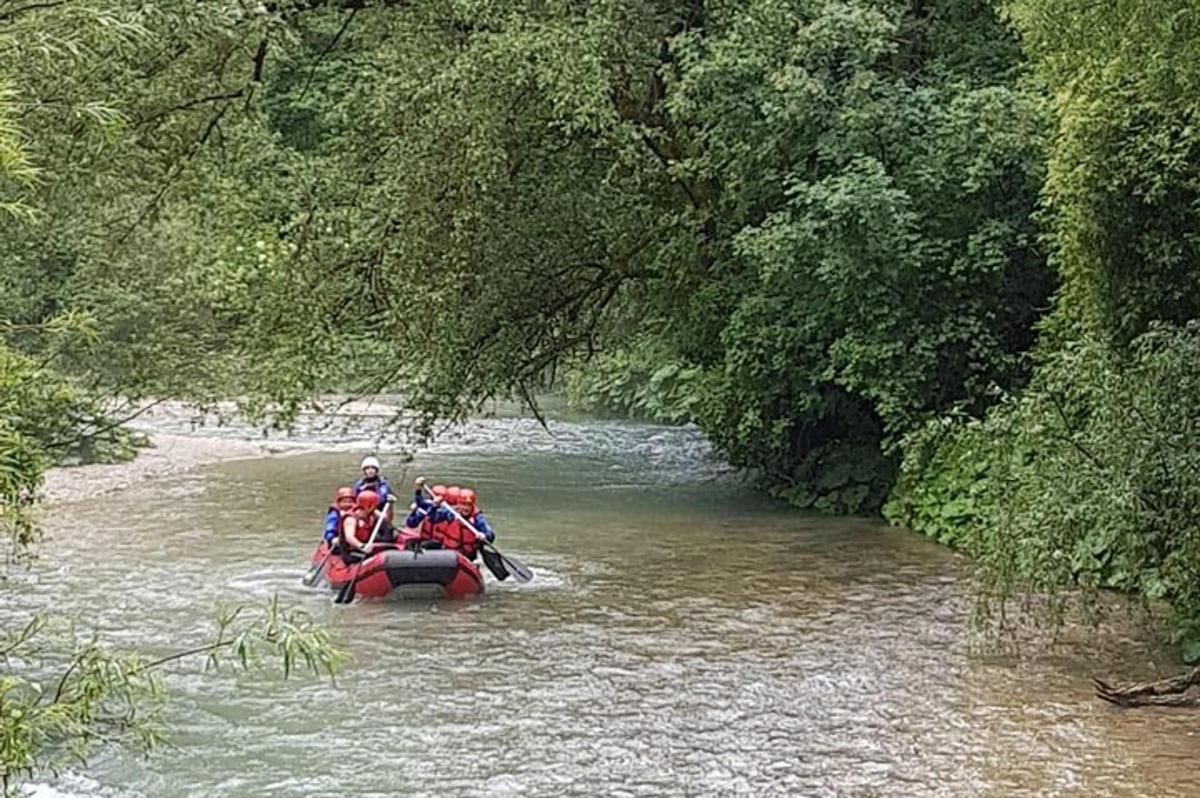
<point x="370" y="461"/>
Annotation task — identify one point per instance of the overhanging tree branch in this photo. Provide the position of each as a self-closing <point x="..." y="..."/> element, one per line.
<point x="8" y="15"/>
<point x="190" y="104"/>
<point x="326" y="51"/>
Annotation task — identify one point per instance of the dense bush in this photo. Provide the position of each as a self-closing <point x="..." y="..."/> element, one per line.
<point x="640" y="383"/>
<point x="1090" y="479"/>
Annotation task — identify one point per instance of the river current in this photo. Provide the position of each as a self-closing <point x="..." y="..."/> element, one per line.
<point x="683" y="636"/>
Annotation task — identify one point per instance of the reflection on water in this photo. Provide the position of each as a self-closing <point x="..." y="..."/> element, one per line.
<point x="682" y="638"/>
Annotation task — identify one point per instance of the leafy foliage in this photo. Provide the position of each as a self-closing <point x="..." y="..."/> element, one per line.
<point x="46" y="418"/>
<point x="1125" y="172"/>
<point x="61" y="703"/>
<point x="640" y="382"/>
<point x="452" y="200"/>
<point x="96" y="121"/>
<point x="883" y="264"/>
<point x="1087" y="480"/>
<point x="15" y="169"/>
<point x="943" y="481"/>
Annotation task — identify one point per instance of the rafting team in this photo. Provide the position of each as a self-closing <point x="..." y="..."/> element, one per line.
<point x="439" y="517"/>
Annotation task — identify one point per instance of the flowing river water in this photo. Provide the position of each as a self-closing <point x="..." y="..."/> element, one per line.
<point x="683" y="637"/>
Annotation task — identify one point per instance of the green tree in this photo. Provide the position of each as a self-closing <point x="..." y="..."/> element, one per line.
<point x="78" y="98"/>
<point x="1124" y="176"/>
<point x="454" y="200"/>
<point x="1086" y="479"/>
<point x="838" y="192"/>
<point x="867" y="175"/>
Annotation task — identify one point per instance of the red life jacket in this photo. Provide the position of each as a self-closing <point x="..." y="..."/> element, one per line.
<point x="425" y="529"/>
<point x="453" y="535"/>
<point x="364" y="525"/>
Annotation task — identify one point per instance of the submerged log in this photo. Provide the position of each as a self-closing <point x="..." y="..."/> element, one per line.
<point x="1172" y="692"/>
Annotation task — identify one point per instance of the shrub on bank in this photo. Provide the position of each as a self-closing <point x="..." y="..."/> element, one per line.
<point x="1090" y="479"/>
<point x="637" y="382"/>
<point x="46" y="420"/>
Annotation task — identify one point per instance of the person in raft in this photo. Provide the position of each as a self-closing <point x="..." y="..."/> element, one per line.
<point x="358" y="526"/>
<point x="419" y="522"/>
<point x="468" y="508"/>
<point x="373" y="480"/>
<point x="437" y="527"/>
<point x="343" y="503"/>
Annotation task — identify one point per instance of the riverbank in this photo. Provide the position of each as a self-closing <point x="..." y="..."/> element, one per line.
<point x="167" y="455"/>
<point x="183" y="438"/>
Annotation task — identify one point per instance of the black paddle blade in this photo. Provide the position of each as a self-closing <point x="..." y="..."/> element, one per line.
<point x="314" y="573"/>
<point x="495" y="563"/>
<point x="519" y="571"/>
<point x="346" y="594"/>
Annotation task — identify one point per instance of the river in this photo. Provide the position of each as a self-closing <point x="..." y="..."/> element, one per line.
<point x="683" y="637"/>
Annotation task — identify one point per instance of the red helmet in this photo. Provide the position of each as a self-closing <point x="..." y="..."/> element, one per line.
<point x="343" y="495"/>
<point x="438" y="490"/>
<point x="454" y="494"/>
<point x="468" y="497"/>
<point x="368" y="500"/>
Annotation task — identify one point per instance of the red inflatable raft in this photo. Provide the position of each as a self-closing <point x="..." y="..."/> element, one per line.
<point x="408" y="573"/>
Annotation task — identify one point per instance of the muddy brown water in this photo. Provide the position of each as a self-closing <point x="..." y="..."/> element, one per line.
<point x="683" y="637"/>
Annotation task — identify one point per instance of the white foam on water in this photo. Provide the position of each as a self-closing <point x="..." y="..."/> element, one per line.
<point x="69" y="785"/>
<point x="637" y="450"/>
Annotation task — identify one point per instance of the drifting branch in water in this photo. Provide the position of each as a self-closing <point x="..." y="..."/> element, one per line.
<point x="1172" y="692"/>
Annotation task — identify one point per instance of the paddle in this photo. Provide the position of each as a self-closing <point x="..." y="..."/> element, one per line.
<point x="346" y="594"/>
<point x="499" y="564"/>
<point x="315" y="572"/>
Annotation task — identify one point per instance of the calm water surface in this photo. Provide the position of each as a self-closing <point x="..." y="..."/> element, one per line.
<point x="683" y="637"/>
